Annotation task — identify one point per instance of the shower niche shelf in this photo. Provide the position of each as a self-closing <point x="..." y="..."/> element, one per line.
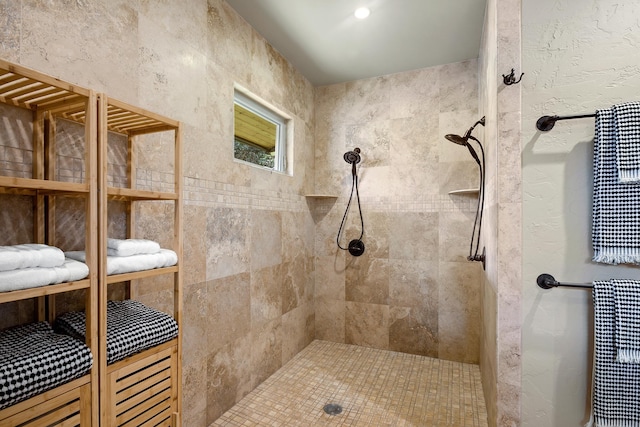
<point x="321" y="196"/>
<point x="465" y="192"/>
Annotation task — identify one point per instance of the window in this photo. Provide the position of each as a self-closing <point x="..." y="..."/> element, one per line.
<point x="260" y="133"/>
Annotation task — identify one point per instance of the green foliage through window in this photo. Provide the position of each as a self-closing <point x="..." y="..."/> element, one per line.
<point x="252" y="154"/>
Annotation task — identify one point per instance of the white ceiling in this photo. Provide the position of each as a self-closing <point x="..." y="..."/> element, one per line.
<point x="327" y="44"/>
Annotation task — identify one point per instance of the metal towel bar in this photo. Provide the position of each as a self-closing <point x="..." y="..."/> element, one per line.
<point x="547" y="281"/>
<point x="545" y="123"/>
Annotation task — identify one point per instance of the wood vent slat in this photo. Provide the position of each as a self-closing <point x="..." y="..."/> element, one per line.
<point x="63" y="410"/>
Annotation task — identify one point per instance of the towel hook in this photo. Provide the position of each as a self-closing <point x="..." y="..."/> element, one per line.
<point x="511" y="78"/>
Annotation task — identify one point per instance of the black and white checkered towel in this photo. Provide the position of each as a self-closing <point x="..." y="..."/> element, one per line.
<point x="131" y="328"/>
<point x="616" y="206"/>
<point x="34" y="359"/>
<point x="616" y="386"/>
<point x="627" y="126"/>
<point x="627" y="300"/>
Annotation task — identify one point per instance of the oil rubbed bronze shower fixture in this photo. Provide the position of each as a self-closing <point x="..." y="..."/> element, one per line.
<point x="546" y="123"/>
<point x="355" y="246"/>
<point x="510" y="79"/>
<point x="477" y="223"/>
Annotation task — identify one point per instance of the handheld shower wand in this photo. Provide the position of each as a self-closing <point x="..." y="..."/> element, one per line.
<point x="356" y="246"/>
<point x="353" y="158"/>
<point x="477" y="224"/>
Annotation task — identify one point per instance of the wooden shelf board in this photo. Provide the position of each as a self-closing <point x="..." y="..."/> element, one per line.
<point x="131" y="194"/>
<point x="128" y="119"/>
<point x="27" y="192"/>
<point x="43" y="290"/>
<point x="25" y="184"/>
<point x="125" y="277"/>
<point x="26" y="88"/>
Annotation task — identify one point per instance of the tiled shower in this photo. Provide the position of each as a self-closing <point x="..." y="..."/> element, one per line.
<point x="263" y="276"/>
<point x="413" y="289"/>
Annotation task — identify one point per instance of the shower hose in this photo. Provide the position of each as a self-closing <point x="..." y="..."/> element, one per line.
<point x="356" y="246"/>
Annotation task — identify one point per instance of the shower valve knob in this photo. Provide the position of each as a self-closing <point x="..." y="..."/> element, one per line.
<point x="356" y="247"/>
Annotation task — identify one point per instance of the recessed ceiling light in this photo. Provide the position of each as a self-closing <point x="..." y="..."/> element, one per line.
<point x="362" y="12"/>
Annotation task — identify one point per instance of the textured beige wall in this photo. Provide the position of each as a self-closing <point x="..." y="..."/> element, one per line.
<point x="413" y="289"/>
<point x="248" y="233"/>
<point x="579" y="56"/>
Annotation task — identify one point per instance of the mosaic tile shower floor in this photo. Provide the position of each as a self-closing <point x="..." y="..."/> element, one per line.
<point x="373" y="387"/>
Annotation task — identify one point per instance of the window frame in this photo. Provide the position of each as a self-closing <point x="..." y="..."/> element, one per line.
<point x="268" y="112"/>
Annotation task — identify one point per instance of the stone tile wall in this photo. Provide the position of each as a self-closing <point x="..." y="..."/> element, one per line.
<point x="262" y="273"/>
<point x="500" y="359"/>
<point x="413" y="289"/>
<point x="248" y="233"/>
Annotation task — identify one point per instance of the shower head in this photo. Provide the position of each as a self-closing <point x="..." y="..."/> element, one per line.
<point x="352" y="157"/>
<point x="477" y="224"/>
<point x="457" y="139"/>
<point x="464" y="140"/>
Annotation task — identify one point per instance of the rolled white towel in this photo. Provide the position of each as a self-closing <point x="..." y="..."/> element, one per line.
<point x="25" y="278"/>
<point x="30" y="255"/>
<point x="76" y="270"/>
<point x="128" y="264"/>
<point x="169" y="257"/>
<point x="128" y="247"/>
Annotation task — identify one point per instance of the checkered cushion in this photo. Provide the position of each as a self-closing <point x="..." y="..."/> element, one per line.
<point x="616" y="386"/>
<point x="616" y="206"/>
<point x="131" y="328"/>
<point x="34" y="359"/>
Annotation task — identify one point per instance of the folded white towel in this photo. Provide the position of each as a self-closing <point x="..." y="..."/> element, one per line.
<point x="128" y="247"/>
<point x="25" y="278"/>
<point x="128" y="264"/>
<point x="30" y="255"/>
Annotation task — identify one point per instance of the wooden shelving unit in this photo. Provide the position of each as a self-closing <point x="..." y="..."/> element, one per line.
<point x="158" y="384"/>
<point x="50" y="100"/>
<point x="109" y="395"/>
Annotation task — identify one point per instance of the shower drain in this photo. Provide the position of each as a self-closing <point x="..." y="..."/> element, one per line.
<point x="332" y="408"/>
